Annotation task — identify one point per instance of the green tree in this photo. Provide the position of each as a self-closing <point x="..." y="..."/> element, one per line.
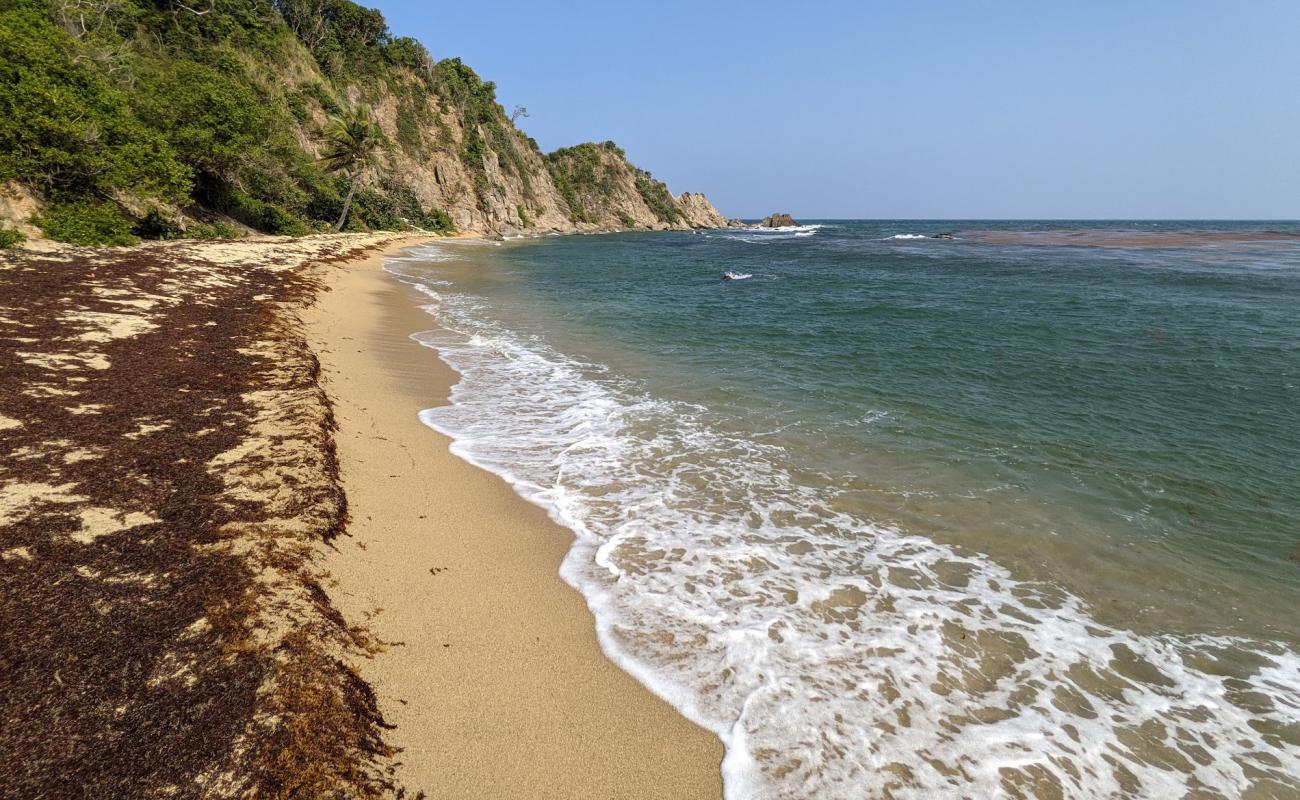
<point x="65" y="128"/>
<point x="212" y="118"/>
<point x="352" y="143"/>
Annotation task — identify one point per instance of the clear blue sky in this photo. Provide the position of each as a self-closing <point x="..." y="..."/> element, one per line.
<point x="912" y="108"/>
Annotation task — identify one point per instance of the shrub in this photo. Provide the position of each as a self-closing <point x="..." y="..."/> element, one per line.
<point x="66" y="127"/>
<point x="258" y="214"/>
<point x="86" y="223"/>
<point x="211" y="118"/>
<point x="407" y="52"/>
<point x="10" y="238"/>
<point x="157" y="225"/>
<point x="297" y="102"/>
<point x="438" y="221"/>
<point x="207" y="232"/>
<point x="523" y="217"/>
<point x="585" y="176"/>
<point x="657" y="197"/>
<point x="321" y="95"/>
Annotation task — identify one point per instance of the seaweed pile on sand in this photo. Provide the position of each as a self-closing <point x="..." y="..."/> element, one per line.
<point x="167" y="474"/>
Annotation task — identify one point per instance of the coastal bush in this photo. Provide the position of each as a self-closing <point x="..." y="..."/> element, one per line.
<point x="10" y="238"/>
<point x="255" y="213"/>
<point x="409" y="136"/>
<point x="211" y="118"/>
<point x="86" y="223"/>
<point x="523" y="217"/>
<point x="407" y="52"/>
<point x="586" y="175"/>
<point x="297" y="102"/>
<point x="66" y="127"/>
<point x="377" y="211"/>
<point x="317" y="91"/>
<point x="658" y="198"/>
<point x="215" y="230"/>
<point x="438" y="221"/>
<point x="157" y="224"/>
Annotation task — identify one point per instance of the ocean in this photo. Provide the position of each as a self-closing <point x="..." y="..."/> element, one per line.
<point x="1012" y="514"/>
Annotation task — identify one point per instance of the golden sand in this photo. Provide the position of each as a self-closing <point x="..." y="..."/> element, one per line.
<point x="493" y="676"/>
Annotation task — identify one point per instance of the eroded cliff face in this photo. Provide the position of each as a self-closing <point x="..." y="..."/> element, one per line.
<point x="508" y="187"/>
<point x="602" y="190"/>
<point x="699" y="212"/>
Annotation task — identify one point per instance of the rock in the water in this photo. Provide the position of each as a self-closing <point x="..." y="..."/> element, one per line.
<point x="778" y="221"/>
<point x="944" y="236"/>
<point x="736" y="223"/>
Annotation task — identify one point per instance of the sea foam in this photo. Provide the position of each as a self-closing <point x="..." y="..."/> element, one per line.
<point x="835" y="657"/>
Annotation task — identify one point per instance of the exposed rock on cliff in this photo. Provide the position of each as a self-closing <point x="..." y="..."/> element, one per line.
<point x="699" y="212"/>
<point x="778" y="221"/>
<point x="602" y="190"/>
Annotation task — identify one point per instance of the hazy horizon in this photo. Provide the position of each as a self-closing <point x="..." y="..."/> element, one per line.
<point x="1018" y="111"/>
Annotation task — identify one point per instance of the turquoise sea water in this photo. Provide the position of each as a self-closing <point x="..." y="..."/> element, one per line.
<point x="1016" y="512"/>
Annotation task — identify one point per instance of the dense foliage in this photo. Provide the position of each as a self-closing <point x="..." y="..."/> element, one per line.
<point x="87" y="223"/>
<point x="587" y="176"/>
<point x="657" y="197"/>
<point x="161" y="118"/>
<point x="10" y="238"/>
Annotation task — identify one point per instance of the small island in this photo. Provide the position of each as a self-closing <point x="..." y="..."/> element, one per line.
<point x="778" y="221"/>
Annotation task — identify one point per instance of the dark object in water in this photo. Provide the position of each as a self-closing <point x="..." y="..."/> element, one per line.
<point x="944" y="236"/>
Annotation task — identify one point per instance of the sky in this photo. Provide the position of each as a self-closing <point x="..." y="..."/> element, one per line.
<point x="910" y="109"/>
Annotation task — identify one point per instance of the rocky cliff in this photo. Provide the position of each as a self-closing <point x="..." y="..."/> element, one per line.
<point x="602" y="190"/>
<point x="151" y="119"/>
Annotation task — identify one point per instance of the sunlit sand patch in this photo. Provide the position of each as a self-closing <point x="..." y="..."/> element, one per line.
<point x="97" y="521"/>
<point x="18" y="500"/>
<point x="47" y="390"/>
<point x="130" y="299"/>
<point x="9" y="422"/>
<point x="86" y="408"/>
<point x="145" y="428"/>
<point x="76" y="456"/>
<point x="65" y="361"/>
<point x="16" y="553"/>
<point x="119" y="578"/>
<point x="108" y="326"/>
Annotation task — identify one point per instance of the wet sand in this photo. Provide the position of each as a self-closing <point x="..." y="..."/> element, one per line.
<point x="492" y="674"/>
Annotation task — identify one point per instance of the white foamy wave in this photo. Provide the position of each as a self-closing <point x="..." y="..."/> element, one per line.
<point x="757" y="235"/>
<point x="907" y="236"/>
<point x="834" y="657"/>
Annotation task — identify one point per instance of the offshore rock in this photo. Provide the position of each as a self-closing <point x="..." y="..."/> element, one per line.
<point x="778" y="221"/>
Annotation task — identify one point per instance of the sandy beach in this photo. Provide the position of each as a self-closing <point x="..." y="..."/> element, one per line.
<point x="492" y="675"/>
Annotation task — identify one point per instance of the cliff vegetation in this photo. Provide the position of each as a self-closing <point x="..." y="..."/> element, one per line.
<point x="123" y="119"/>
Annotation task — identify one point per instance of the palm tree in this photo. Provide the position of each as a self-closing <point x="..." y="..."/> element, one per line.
<point x="351" y="146"/>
